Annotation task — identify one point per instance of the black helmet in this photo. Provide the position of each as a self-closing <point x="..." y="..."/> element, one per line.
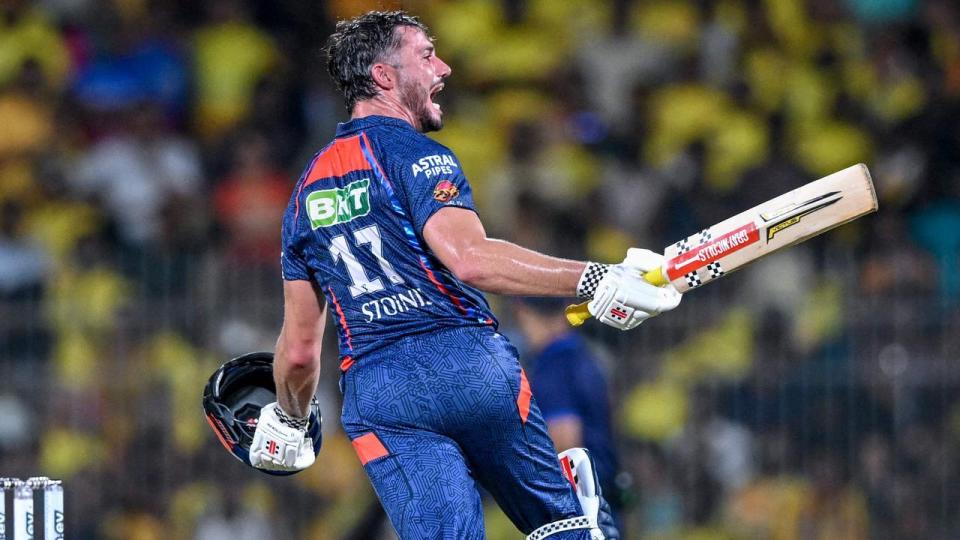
<point x="233" y="398"/>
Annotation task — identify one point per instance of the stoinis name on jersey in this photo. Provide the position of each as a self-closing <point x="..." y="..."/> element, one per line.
<point x="389" y="306"/>
<point x="433" y="165"/>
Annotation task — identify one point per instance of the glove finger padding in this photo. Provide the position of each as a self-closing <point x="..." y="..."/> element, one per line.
<point x="643" y="259"/>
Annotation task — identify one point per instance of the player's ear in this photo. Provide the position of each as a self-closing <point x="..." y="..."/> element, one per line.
<point x="384" y="75"/>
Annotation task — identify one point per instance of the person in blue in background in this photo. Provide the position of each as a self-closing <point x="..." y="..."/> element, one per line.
<point x="382" y="230"/>
<point x="569" y="384"/>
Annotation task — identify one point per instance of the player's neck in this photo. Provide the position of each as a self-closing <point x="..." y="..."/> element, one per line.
<point x="384" y="105"/>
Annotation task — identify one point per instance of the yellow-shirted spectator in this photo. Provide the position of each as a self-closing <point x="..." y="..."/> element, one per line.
<point x="28" y="130"/>
<point x="59" y="224"/>
<point x="494" y="46"/>
<point x="790" y="24"/>
<point x="763" y="70"/>
<point x="826" y="146"/>
<point x="231" y="56"/>
<point x="724" y="350"/>
<point x="740" y="142"/>
<point x="680" y="114"/>
<point x="897" y="97"/>
<point x="572" y="19"/>
<point x="674" y="23"/>
<point x="76" y="357"/>
<point x="134" y="524"/>
<point x="183" y="368"/>
<point x="27" y="124"/>
<point x="768" y="507"/>
<point x="810" y="93"/>
<point x="187" y="504"/>
<point x="65" y="452"/>
<point x="27" y="34"/>
<point x="87" y="299"/>
<point x="654" y="411"/>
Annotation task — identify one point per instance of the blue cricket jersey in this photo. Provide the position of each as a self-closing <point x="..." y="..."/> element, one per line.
<point x="354" y="226"/>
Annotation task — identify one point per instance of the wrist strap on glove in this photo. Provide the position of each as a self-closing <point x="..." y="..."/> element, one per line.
<point x="570" y="524"/>
<point x="291" y="421"/>
<point x="590" y="279"/>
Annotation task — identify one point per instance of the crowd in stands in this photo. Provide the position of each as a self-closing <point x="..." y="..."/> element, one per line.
<point x="149" y="147"/>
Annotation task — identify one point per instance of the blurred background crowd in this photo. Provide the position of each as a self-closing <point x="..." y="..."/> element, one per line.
<point x="148" y="148"/>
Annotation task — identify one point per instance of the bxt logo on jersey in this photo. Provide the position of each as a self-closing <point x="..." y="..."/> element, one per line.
<point x="328" y="207"/>
<point x="434" y="165"/>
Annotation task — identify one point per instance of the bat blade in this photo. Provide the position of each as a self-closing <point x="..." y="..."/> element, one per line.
<point x="783" y="221"/>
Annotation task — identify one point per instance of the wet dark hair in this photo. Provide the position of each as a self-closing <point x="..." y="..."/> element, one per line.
<point x="359" y="43"/>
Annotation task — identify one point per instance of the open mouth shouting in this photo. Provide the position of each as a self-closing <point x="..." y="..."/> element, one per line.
<point x="433" y="94"/>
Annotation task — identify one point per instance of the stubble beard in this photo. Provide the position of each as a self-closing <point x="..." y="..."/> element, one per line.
<point x="413" y="98"/>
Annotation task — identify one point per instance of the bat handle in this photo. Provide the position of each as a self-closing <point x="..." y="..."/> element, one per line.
<point x="577" y="314"/>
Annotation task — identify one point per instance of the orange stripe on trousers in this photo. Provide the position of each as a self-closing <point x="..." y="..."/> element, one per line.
<point x="369" y="448"/>
<point x="523" y="400"/>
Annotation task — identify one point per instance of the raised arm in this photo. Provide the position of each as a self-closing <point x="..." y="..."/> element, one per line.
<point x="458" y="239"/>
<point x="620" y="296"/>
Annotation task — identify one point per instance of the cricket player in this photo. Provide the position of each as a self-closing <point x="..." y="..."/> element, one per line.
<point x="381" y="230"/>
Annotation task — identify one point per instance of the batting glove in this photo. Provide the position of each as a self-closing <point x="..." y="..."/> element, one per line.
<point x="624" y="299"/>
<point x="281" y="443"/>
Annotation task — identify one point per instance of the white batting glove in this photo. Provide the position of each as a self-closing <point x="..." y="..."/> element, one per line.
<point x="624" y="299"/>
<point x="279" y="445"/>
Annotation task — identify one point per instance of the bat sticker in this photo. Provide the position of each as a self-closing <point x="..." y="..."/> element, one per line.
<point x="719" y="247"/>
<point x="798" y="212"/>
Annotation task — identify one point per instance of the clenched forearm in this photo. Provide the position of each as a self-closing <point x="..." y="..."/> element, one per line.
<point x="296" y="386"/>
<point x="296" y="373"/>
<point x="501" y="267"/>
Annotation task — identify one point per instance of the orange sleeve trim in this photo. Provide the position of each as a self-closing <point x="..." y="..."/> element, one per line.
<point x="369" y="448"/>
<point x="523" y="400"/>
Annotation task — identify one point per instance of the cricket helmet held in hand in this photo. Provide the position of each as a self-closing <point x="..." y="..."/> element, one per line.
<point x="232" y="400"/>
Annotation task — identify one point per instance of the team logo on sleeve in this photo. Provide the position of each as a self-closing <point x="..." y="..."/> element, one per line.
<point x="445" y="191"/>
<point x="328" y="207"/>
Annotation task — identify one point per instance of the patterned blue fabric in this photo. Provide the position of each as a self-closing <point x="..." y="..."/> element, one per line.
<point x="445" y="408"/>
<point x="364" y="199"/>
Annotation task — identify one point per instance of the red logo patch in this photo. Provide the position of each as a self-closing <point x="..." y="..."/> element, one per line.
<point x="445" y="191"/>
<point x="618" y="313"/>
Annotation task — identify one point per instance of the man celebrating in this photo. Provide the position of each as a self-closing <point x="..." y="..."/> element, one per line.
<point x="381" y="227"/>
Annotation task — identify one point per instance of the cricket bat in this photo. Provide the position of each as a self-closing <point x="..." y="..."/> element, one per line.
<point x="783" y="221"/>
